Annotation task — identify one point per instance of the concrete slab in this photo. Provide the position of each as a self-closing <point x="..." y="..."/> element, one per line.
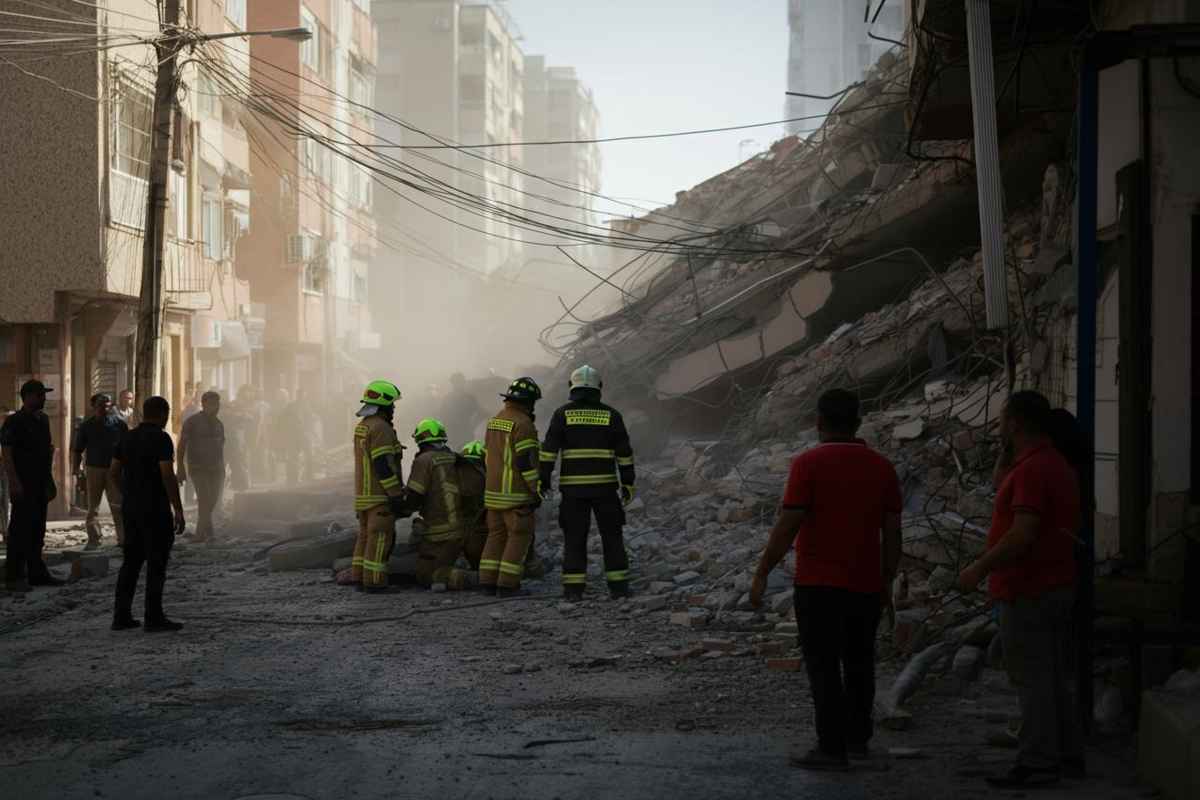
<point x="1169" y="743"/>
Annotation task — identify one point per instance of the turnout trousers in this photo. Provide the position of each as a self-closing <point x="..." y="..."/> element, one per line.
<point x="373" y="547"/>
<point x="510" y="533"/>
<point x="575" y="519"/>
<point x="435" y="564"/>
<point x="473" y="544"/>
<point x="148" y="540"/>
<point x="99" y="484"/>
<point x="837" y="635"/>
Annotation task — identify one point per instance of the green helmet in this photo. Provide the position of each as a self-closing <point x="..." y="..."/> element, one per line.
<point x="380" y="393"/>
<point x="429" y="431"/>
<point x="474" y="451"/>
<point x="523" y="389"/>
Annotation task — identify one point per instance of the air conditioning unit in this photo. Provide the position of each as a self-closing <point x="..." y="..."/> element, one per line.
<point x="299" y="248"/>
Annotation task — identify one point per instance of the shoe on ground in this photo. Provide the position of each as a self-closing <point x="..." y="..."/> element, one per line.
<point x="858" y="752"/>
<point x="163" y="626"/>
<point x="389" y="589"/>
<point x="1074" y="769"/>
<point x="507" y="591"/>
<point x="125" y="624"/>
<point x="573" y="595"/>
<point x="820" y="761"/>
<point x="48" y="580"/>
<point x="1022" y="777"/>
<point x="19" y="586"/>
<point x="488" y="589"/>
<point x="619" y="592"/>
<point x="92" y="544"/>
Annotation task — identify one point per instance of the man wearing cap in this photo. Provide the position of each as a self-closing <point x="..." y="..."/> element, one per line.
<point x="28" y="457"/>
<point x="91" y="457"/>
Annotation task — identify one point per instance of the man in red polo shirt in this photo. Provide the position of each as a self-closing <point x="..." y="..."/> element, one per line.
<point x="1030" y="567"/>
<point x="841" y="495"/>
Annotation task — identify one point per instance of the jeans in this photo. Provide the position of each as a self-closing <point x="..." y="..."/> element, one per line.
<point x="836" y="629"/>
<point x="1036" y="634"/>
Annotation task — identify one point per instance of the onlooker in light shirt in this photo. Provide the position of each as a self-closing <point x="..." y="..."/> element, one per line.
<point x="842" y="508"/>
<point x="91" y="457"/>
<point x="125" y="409"/>
<point x="1030" y="567"/>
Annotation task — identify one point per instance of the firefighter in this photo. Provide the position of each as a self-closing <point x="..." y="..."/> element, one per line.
<point x="433" y="491"/>
<point x="511" y="494"/>
<point x="378" y="486"/>
<point x="472" y="478"/>
<point x="597" y="477"/>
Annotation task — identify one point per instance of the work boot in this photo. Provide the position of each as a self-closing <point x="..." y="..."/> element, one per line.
<point x="163" y="625"/>
<point x="534" y="568"/>
<point x="93" y="542"/>
<point x="381" y="589"/>
<point x="507" y="591"/>
<point x="47" y="580"/>
<point x="489" y="589"/>
<point x="125" y="623"/>
<point x="619" y="591"/>
<point x="17" y="585"/>
<point x="573" y="594"/>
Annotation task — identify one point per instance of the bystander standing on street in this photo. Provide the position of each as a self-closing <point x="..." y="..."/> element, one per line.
<point x="28" y="457"/>
<point x="125" y="408"/>
<point x="842" y="508"/>
<point x="144" y="465"/>
<point x="90" y="459"/>
<point x="5" y="412"/>
<point x="1030" y="567"/>
<point x="202" y="461"/>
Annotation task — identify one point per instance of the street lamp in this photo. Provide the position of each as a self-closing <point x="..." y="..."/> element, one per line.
<point x="167" y="47"/>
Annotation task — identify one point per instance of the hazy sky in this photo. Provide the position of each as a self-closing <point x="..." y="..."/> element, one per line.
<point x="667" y="65"/>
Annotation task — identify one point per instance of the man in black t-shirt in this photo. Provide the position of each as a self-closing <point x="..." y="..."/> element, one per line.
<point x="144" y="465"/>
<point x="28" y="457"/>
<point x="90" y="459"/>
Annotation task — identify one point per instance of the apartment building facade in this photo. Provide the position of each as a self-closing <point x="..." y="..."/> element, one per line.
<point x="308" y="255"/>
<point x="72" y="214"/>
<point x="828" y="49"/>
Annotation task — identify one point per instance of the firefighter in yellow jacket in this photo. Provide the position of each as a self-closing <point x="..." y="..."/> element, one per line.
<point x="378" y="485"/>
<point x="433" y="491"/>
<point x="472" y="479"/>
<point x="511" y="495"/>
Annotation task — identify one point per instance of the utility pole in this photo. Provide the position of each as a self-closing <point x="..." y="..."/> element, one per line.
<point x="147" y="365"/>
<point x="148" y="361"/>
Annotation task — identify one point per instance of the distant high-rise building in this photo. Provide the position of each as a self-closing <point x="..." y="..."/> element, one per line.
<point x="828" y="50"/>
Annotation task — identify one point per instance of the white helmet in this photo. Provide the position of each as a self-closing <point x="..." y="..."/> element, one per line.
<point x="586" y="378"/>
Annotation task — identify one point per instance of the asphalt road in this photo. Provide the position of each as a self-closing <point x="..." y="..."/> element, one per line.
<point x="278" y="688"/>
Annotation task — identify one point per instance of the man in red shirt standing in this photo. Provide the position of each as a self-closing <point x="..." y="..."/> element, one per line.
<point x="841" y="495"/>
<point x="1030" y="567"/>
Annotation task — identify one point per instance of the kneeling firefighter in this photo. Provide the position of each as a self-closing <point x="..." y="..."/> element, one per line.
<point x="511" y="495"/>
<point x="378" y="485"/>
<point x="597" y="477"/>
<point x="433" y="491"/>
<point x="472" y="479"/>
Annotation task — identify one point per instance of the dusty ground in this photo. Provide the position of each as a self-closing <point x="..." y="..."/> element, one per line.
<point x="286" y="685"/>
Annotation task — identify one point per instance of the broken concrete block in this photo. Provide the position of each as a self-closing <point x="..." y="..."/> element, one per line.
<point x="785" y="664"/>
<point x="1169" y="743"/>
<point x="651" y="602"/>
<point x="697" y="599"/>
<point x="781" y="603"/>
<point x="687" y="578"/>
<point x="658" y="587"/>
<point x="968" y="662"/>
<point x="88" y="565"/>
<point x="908" y="431"/>
<point x="692" y="618"/>
<point x="313" y="553"/>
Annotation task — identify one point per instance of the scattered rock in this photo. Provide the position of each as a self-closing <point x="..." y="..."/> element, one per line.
<point x="651" y="602"/>
<point x="908" y="431"/>
<point x="511" y="669"/>
<point x="687" y="578"/>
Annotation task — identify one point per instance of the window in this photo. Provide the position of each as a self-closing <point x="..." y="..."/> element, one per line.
<point x="470" y="90"/>
<point x="206" y="92"/>
<point x="310" y="49"/>
<point x="361" y="85"/>
<point x="362" y="188"/>
<point x="131" y="109"/>
<point x="494" y="47"/>
<point x="314" y="276"/>
<point x="212" y="221"/>
<point x="235" y="12"/>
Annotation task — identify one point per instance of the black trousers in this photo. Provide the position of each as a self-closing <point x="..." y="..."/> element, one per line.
<point x="148" y="540"/>
<point x="837" y="634"/>
<point x="575" y="519"/>
<point x="26" y="538"/>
